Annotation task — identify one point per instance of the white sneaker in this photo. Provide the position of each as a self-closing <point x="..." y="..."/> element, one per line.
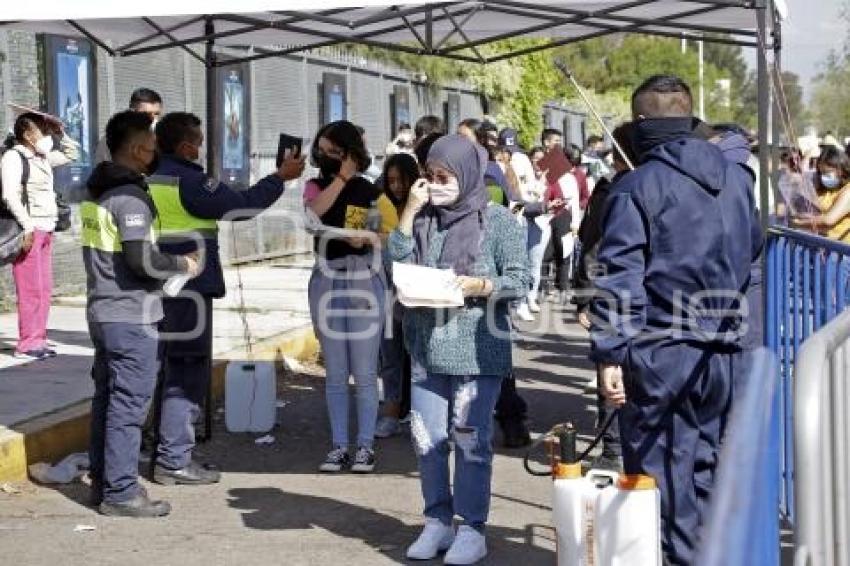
<point x="468" y="548"/>
<point x="533" y="305"/>
<point x="524" y="313"/>
<point x="435" y="538"/>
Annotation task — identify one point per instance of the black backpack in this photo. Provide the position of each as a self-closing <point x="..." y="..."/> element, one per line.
<point x="11" y="233"/>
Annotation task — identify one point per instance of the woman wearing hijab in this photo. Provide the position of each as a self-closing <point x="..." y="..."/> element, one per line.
<point x="459" y="356"/>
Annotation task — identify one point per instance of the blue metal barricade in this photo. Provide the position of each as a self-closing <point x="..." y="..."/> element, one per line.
<point x="806" y="288"/>
<point x="743" y="526"/>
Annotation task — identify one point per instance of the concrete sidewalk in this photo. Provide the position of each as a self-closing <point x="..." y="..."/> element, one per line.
<point x="37" y="394"/>
<point x="272" y="508"/>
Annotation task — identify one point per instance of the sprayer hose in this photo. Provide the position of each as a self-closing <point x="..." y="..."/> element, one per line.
<point x="526" y="461"/>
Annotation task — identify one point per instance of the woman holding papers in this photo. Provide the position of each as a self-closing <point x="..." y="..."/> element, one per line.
<point x="459" y="355"/>
<point x="347" y="287"/>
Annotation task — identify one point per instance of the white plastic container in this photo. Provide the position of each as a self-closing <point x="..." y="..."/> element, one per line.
<point x="250" y="397"/>
<point x="573" y="507"/>
<point x="628" y="523"/>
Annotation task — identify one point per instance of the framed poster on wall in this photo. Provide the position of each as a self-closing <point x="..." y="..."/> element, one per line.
<point x="334" y="98"/>
<point x="233" y="125"/>
<point x="69" y="92"/>
<point x="452" y="112"/>
<point x="400" y="108"/>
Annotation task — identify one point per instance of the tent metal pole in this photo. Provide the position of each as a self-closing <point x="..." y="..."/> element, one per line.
<point x="94" y="39"/>
<point x="610" y="28"/>
<point x="763" y="114"/>
<point x="611" y="15"/>
<point x="171" y="37"/>
<point x="175" y="27"/>
<point x="778" y="100"/>
<point x="212" y="99"/>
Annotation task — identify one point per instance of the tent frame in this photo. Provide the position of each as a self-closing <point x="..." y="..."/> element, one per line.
<point x="419" y="20"/>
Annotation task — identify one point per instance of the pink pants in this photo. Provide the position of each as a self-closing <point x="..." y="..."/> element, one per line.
<point x="33" y="274"/>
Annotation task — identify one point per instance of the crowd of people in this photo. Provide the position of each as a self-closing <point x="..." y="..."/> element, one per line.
<point x="656" y="240"/>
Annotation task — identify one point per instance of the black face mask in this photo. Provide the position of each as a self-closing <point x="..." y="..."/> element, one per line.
<point x="652" y="132"/>
<point x="328" y="166"/>
<point x="153" y="165"/>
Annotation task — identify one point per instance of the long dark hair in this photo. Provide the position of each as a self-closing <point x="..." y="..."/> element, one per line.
<point x="26" y="122"/>
<point x="407" y="169"/>
<point x="345" y="136"/>
<point x="832" y="157"/>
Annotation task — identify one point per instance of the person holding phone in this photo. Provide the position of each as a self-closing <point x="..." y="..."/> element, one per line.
<point x="347" y="288"/>
<point x="190" y="202"/>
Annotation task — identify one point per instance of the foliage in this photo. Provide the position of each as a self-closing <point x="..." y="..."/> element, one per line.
<point x="609" y="68"/>
<point x="830" y="104"/>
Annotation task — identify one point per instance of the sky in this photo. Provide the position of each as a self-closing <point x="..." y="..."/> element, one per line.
<point x="812" y="30"/>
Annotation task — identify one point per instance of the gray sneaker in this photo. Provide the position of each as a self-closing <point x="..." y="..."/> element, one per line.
<point x="387" y="427"/>
<point x="337" y="460"/>
<point x="364" y="461"/>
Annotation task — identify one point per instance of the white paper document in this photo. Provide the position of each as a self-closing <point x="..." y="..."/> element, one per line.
<point x="420" y="286"/>
<point x="313" y="225"/>
<point x="568" y="244"/>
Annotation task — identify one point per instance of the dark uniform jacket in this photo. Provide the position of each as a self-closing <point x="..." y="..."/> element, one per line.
<point x="680" y="225"/>
<point x="205" y="197"/>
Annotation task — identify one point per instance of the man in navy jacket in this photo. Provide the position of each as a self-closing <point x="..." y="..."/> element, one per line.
<point x="680" y="234"/>
<point x="190" y="202"/>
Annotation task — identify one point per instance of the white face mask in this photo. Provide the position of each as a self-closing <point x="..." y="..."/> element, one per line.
<point x="444" y="195"/>
<point x="44" y="145"/>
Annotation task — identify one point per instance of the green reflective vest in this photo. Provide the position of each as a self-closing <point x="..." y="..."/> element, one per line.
<point x="99" y="230"/>
<point x="173" y="218"/>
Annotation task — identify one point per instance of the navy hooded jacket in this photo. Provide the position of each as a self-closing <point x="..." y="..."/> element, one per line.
<point x="680" y="235"/>
<point x="206" y="197"/>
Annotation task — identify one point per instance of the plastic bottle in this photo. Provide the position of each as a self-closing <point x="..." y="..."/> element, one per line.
<point x="250" y="397"/>
<point x="373" y="218"/>
<point x="628" y="523"/>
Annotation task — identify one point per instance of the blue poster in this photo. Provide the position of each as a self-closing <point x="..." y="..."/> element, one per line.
<point x="234" y="123"/>
<point x="73" y="87"/>
<point x="337" y="104"/>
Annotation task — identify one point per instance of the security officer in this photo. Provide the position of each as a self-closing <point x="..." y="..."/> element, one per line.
<point x="124" y="270"/>
<point x="678" y="241"/>
<point x="189" y="203"/>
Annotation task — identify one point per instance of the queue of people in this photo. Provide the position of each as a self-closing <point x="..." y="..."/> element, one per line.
<point x="472" y="201"/>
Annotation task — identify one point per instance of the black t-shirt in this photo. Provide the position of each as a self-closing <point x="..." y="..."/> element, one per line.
<point x="348" y="211"/>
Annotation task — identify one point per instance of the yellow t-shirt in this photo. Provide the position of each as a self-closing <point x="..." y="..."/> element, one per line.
<point x="389" y="214"/>
<point x="841" y="231"/>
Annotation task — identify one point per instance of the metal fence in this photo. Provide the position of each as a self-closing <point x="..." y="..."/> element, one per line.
<point x="822" y="444"/>
<point x="806" y="288"/>
<point x="743" y="524"/>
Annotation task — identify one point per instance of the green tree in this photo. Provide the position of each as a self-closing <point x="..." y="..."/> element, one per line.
<point x="830" y="103"/>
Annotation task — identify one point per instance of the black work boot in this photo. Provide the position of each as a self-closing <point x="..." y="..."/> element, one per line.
<point x="193" y="474"/>
<point x="140" y="506"/>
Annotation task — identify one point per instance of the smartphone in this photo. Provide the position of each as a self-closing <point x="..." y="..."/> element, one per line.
<point x="289" y="144"/>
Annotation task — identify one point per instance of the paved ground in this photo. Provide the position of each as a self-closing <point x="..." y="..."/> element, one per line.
<point x="276" y="294"/>
<point x="272" y="508"/>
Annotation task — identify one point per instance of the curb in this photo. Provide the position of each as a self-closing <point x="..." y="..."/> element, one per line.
<point x="51" y="437"/>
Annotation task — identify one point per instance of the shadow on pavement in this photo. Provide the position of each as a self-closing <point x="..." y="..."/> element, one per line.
<point x="275" y="509"/>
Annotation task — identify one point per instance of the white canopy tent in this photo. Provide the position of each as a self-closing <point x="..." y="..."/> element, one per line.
<point x="450" y="29"/>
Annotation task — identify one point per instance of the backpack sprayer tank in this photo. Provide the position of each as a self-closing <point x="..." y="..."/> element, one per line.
<point x="601" y="518"/>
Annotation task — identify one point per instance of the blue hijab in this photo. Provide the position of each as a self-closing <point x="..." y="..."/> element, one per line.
<point x="463" y="220"/>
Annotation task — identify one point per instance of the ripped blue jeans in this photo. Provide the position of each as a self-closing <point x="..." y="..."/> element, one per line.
<point x="459" y="408"/>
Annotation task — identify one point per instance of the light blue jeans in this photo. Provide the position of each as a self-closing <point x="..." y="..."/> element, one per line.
<point x="463" y="407"/>
<point x="348" y="320"/>
<point x="538" y="239"/>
